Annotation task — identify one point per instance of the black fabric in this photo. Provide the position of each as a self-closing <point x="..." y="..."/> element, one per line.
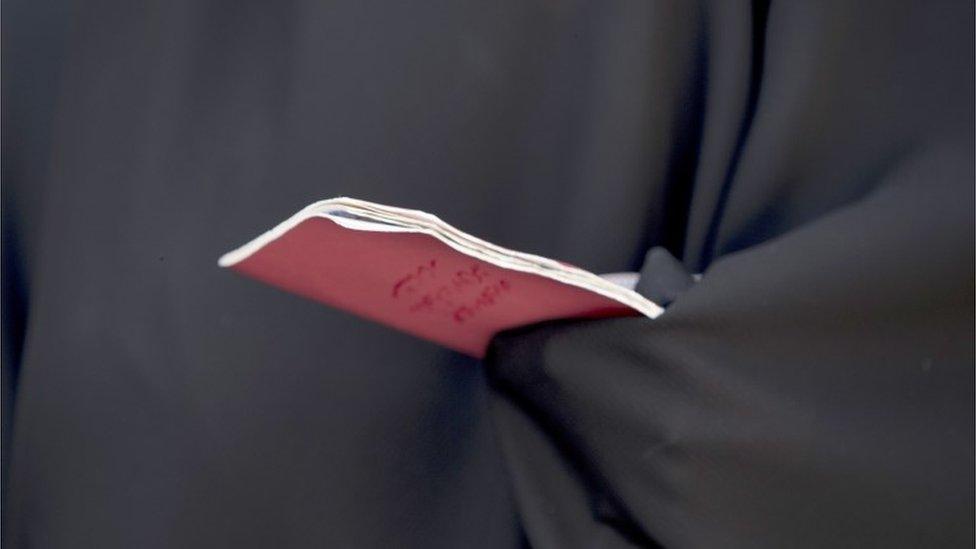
<point x="662" y="278"/>
<point x="813" y="160"/>
<point x="816" y="387"/>
<point x="803" y="394"/>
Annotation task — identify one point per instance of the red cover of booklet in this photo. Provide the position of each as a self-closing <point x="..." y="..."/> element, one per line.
<point x="415" y="281"/>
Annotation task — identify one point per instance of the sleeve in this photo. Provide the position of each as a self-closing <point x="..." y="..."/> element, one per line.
<point x="815" y="390"/>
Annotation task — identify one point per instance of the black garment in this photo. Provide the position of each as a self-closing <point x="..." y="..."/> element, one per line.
<point x="803" y="394"/>
<point x="816" y="388"/>
<point x="814" y="160"/>
<point x="663" y="278"/>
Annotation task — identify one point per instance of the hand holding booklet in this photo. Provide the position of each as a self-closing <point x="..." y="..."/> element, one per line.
<point x="411" y="271"/>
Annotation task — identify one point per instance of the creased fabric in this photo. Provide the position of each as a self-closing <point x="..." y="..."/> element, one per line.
<point x="815" y="388"/>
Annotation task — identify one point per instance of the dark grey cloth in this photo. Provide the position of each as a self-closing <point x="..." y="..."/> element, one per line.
<point x="816" y="388"/>
<point x="814" y="160"/>
<point x="803" y="394"/>
<point x="662" y="278"/>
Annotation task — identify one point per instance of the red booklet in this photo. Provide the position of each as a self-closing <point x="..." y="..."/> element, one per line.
<point x="411" y="271"/>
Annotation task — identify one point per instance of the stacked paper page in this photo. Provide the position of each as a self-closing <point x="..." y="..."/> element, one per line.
<point x="412" y="271"/>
